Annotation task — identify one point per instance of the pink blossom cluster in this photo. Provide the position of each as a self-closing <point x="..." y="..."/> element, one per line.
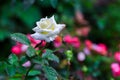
<point x="74" y="41"/>
<point x="116" y="66"/>
<point x="99" y="48"/>
<point x="69" y="40"/>
<point x="21" y="48"/>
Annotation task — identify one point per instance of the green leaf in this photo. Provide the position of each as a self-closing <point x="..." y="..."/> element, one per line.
<point x="23" y="59"/>
<point x="50" y="56"/>
<point x="47" y="53"/>
<point x="13" y="59"/>
<point x="34" y="73"/>
<point x="20" y="38"/>
<point x="30" y="51"/>
<point x="15" y="78"/>
<point x="54" y="3"/>
<point x="53" y="58"/>
<point x="21" y="70"/>
<point x="34" y="78"/>
<point x="50" y="73"/>
<point x="2" y="66"/>
<point x="39" y="60"/>
<point x="4" y="34"/>
<point x="10" y="69"/>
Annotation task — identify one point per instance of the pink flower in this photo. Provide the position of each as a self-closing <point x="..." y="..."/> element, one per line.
<point x="16" y="50"/>
<point x="43" y="43"/>
<point x="100" y="48"/>
<point x="72" y="41"/>
<point x="103" y="49"/>
<point x="86" y="51"/>
<point x="18" y="44"/>
<point x="84" y="31"/>
<point x="117" y="56"/>
<point x="67" y="39"/>
<point x="115" y="69"/>
<point x="81" y="56"/>
<point x="58" y="41"/>
<point x="88" y="44"/>
<point x="103" y="46"/>
<point x="21" y="48"/>
<point x="33" y="41"/>
<point x="75" y="42"/>
<point x="27" y="64"/>
<point x="24" y="48"/>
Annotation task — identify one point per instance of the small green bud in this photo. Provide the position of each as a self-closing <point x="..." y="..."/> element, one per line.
<point x="84" y="68"/>
<point x="69" y="54"/>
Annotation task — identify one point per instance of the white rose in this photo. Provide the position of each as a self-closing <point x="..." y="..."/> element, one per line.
<point x="47" y="29"/>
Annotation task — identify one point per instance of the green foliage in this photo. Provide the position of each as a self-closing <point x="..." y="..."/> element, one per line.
<point x="10" y="69"/>
<point x="4" y="34"/>
<point x="13" y="59"/>
<point x="39" y="60"/>
<point x="54" y="3"/>
<point x="21" y="15"/>
<point x="34" y="73"/>
<point x="34" y="78"/>
<point x="50" y="73"/>
<point x="2" y="66"/>
<point x="31" y="51"/>
<point x="50" y="56"/>
<point x="19" y="37"/>
<point x="15" y="79"/>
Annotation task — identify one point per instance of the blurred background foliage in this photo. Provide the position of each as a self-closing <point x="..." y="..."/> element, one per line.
<point x="102" y="16"/>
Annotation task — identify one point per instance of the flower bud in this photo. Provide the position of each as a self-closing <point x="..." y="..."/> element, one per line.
<point x="27" y="64"/>
<point x="84" y="68"/>
<point x="43" y="43"/>
<point x="69" y="54"/>
<point x="16" y="50"/>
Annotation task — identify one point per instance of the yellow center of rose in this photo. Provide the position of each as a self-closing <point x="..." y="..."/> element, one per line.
<point x="46" y="24"/>
<point x="45" y="33"/>
<point x="52" y="27"/>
